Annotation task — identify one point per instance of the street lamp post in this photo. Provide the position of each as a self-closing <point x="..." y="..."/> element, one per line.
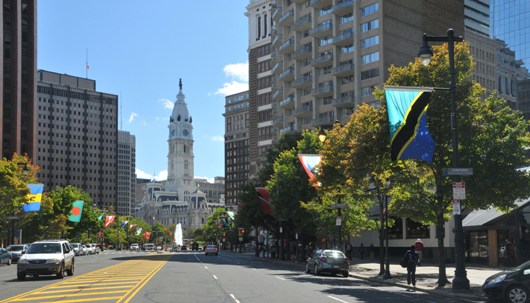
<point x="387" y="274"/>
<point x="460" y="282"/>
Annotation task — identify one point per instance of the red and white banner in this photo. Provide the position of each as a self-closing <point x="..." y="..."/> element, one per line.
<point x="109" y="220"/>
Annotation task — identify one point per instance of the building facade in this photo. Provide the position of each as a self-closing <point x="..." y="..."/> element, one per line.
<point x="333" y="53"/>
<point x="18" y="67"/>
<point x="126" y="173"/>
<point x="77" y="136"/>
<point x="261" y="107"/>
<point x="237" y="163"/>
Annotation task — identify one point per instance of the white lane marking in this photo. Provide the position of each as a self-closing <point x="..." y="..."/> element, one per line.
<point x="214" y="277"/>
<point x="337" y="299"/>
<point x="205" y="267"/>
<point x="234" y="298"/>
<point x="281" y="278"/>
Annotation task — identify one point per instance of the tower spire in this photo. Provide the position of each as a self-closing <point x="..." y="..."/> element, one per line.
<point x="180" y="83"/>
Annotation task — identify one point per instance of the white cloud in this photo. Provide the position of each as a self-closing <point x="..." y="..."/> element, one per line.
<point x="132" y="117"/>
<point x="239" y="74"/>
<point x="232" y="88"/>
<point x="217" y="139"/>
<point x="162" y="175"/>
<point x="210" y="180"/>
<point x="238" y="71"/>
<point x="167" y="103"/>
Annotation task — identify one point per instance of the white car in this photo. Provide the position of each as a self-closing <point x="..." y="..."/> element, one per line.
<point x="95" y="247"/>
<point x="47" y="257"/>
<point x="135" y="246"/>
<point x="90" y="248"/>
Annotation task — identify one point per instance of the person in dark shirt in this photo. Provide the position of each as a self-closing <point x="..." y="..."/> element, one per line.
<point x="412" y="260"/>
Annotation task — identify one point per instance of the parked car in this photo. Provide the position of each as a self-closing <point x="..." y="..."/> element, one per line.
<point x="79" y="249"/>
<point x="47" y="257"/>
<point x="95" y="248"/>
<point x="328" y="260"/>
<point x="134" y="246"/>
<point x="5" y="256"/>
<point x="512" y="285"/>
<point x="211" y="249"/>
<point x="16" y="250"/>
<point x="90" y="250"/>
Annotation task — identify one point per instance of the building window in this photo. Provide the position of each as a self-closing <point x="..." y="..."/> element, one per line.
<point x="368" y="10"/>
<point x="370" y="25"/>
<point x="417" y="230"/>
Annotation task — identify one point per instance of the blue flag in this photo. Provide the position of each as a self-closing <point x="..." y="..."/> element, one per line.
<point x="34" y="198"/>
<point x="407" y="114"/>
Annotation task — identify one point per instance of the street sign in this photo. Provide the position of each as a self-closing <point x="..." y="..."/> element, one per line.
<point x="456" y="207"/>
<point x="459" y="190"/>
<point x="338" y="222"/>
<point x="458" y="171"/>
<point x="333" y="206"/>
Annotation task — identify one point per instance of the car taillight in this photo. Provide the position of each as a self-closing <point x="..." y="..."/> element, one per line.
<point x="346" y="261"/>
<point x="323" y="259"/>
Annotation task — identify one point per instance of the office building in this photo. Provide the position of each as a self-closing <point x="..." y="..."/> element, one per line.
<point x="18" y="67"/>
<point x="236" y="146"/>
<point x="329" y="55"/>
<point x="77" y="136"/>
<point x="126" y="173"/>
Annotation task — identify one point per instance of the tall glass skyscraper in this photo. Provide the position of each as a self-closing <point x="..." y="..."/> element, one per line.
<point x="510" y="21"/>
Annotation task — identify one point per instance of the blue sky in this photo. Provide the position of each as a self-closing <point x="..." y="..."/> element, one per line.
<point x="138" y="50"/>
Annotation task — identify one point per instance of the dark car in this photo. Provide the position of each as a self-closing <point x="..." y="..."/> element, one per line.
<point x="328" y="260"/>
<point x="512" y="285"/>
<point x="5" y="256"/>
<point x="16" y="250"/>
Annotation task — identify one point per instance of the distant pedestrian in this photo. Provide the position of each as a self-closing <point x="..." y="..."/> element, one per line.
<point x="371" y="251"/>
<point x="411" y="259"/>
<point x="418" y="246"/>
<point x="361" y="250"/>
<point x="348" y="248"/>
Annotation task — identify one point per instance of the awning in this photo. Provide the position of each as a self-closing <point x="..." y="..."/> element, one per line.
<point x="482" y="217"/>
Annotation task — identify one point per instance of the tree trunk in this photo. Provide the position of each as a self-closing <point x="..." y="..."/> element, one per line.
<point x="440" y="234"/>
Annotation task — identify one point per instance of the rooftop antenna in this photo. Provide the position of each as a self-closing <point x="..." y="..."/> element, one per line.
<point x="87" y="66"/>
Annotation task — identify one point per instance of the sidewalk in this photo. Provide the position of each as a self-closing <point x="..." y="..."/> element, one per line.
<point x="426" y="277"/>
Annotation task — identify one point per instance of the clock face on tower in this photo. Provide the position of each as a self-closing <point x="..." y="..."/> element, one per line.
<point x="185" y="132"/>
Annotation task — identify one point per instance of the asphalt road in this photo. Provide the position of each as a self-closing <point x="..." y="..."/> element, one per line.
<point x="193" y="277"/>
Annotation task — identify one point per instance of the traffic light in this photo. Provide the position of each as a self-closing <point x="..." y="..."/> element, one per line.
<point x="224" y="235"/>
<point x="242" y="232"/>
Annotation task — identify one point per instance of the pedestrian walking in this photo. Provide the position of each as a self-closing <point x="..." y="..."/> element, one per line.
<point x="361" y="250"/>
<point x="371" y="251"/>
<point x="418" y="246"/>
<point x="348" y="249"/>
<point x="411" y="259"/>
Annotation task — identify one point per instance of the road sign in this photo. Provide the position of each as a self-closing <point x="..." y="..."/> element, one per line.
<point x="459" y="190"/>
<point x="333" y="206"/>
<point x="458" y="171"/>
<point x="456" y="207"/>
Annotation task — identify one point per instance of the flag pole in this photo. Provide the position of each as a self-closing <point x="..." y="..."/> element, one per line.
<point x="86" y="64"/>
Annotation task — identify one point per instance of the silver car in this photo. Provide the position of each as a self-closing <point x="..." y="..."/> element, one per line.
<point x="47" y="257"/>
<point x="328" y="260"/>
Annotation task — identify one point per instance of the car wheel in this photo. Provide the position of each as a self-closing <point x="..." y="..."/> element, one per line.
<point x="307" y="270"/>
<point x="70" y="271"/>
<point x="315" y="271"/>
<point x="21" y="276"/>
<point x="517" y="294"/>
<point x="9" y="261"/>
<point x="60" y="273"/>
<point x="345" y="274"/>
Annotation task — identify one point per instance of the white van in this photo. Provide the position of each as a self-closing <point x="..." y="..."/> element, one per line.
<point x="149" y="247"/>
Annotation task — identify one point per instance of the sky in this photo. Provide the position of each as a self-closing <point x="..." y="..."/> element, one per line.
<point x="139" y="50"/>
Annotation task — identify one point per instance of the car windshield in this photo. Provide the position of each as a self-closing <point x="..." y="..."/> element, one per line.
<point x="44" y="248"/>
<point x="522" y="266"/>
<point x="15" y="247"/>
<point x="334" y="254"/>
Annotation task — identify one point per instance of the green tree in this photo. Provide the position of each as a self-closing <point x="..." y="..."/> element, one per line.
<point x="492" y="142"/>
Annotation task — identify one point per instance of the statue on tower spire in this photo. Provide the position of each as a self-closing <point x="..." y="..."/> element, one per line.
<point x="180" y="83"/>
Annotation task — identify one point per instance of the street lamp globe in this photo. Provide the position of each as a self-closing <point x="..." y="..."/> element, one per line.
<point x="425" y="53"/>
